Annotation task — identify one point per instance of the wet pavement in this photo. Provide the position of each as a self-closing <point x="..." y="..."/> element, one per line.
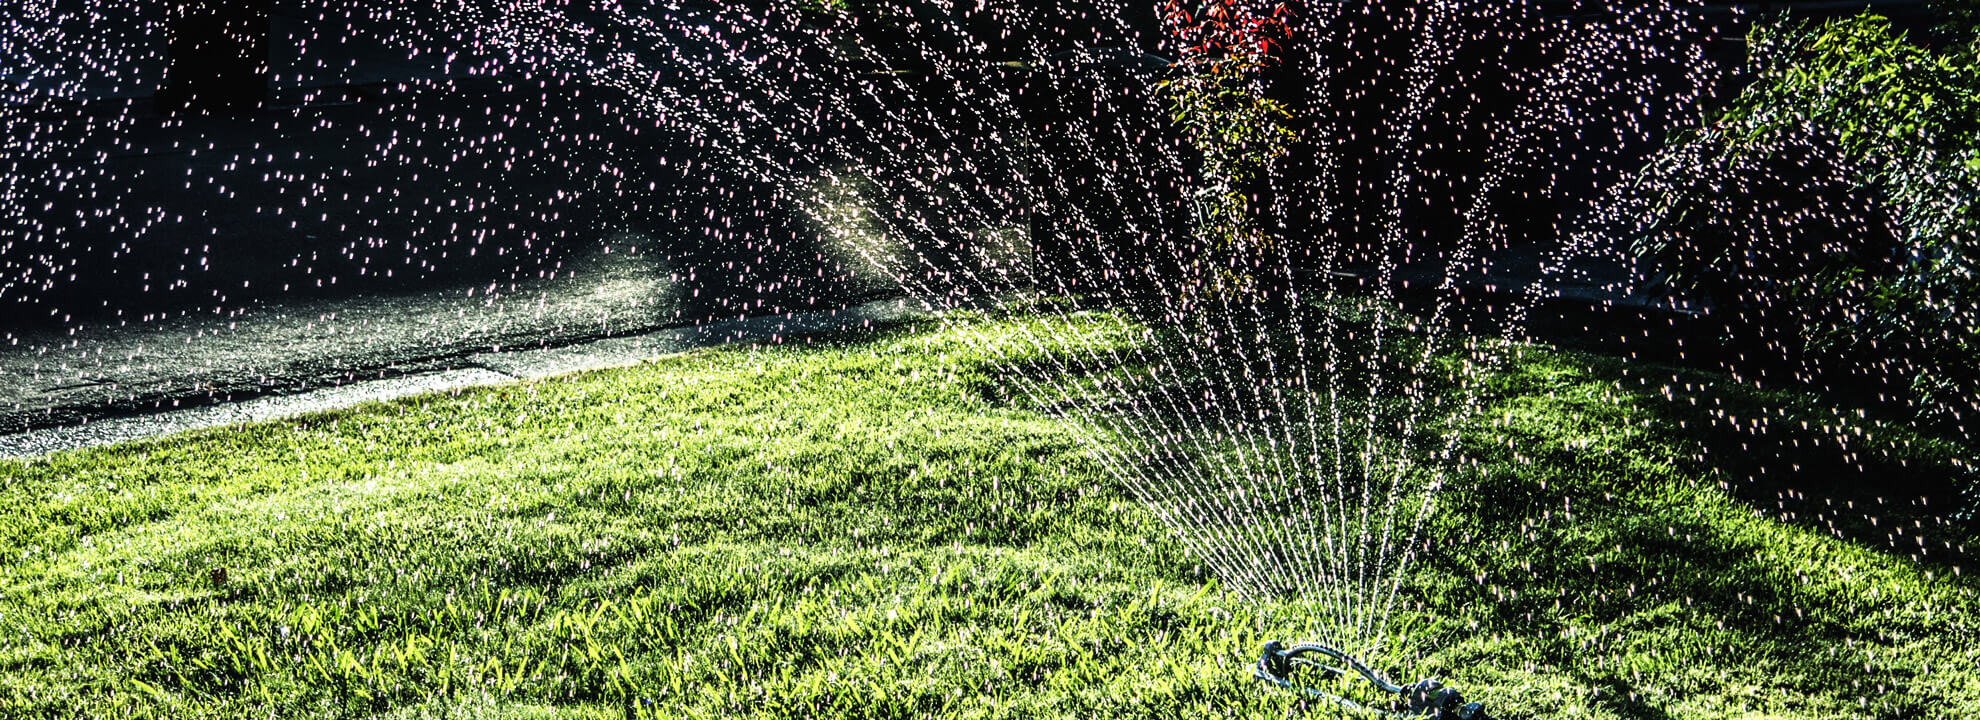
<point x="62" y="376"/>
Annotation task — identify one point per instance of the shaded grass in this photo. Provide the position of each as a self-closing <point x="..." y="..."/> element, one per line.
<point x="1626" y="533"/>
<point x="865" y="530"/>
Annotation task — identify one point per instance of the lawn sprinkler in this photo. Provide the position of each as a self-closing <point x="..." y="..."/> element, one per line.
<point x="1423" y="698"/>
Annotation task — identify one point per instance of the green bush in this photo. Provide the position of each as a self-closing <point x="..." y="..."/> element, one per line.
<point x="1755" y="209"/>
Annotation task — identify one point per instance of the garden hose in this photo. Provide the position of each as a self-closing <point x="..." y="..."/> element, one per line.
<point x="1423" y="698"/>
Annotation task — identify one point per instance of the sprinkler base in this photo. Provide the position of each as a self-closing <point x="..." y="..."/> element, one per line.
<point x="1427" y="698"/>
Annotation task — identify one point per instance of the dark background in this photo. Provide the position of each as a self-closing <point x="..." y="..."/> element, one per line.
<point x="153" y="165"/>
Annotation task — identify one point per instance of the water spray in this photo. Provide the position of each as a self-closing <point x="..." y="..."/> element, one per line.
<point x="1423" y="698"/>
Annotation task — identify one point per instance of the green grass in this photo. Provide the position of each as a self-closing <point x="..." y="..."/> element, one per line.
<point x="863" y="530"/>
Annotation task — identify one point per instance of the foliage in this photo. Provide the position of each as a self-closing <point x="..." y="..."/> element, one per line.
<point x="854" y="531"/>
<point x="1855" y="102"/>
<point x="1218" y="99"/>
<point x="1962" y="25"/>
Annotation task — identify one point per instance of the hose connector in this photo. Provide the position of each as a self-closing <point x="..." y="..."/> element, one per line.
<point x="1431" y="698"/>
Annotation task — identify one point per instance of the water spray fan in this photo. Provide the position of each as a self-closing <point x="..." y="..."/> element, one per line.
<point x="1423" y="698"/>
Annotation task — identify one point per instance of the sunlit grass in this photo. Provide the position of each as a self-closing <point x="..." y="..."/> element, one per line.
<point x="863" y="530"/>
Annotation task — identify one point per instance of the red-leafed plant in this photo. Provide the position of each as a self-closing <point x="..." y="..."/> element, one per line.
<point x="1217" y="96"/>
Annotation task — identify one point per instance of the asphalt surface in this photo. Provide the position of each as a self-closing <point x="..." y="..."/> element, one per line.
<point x="63" y="376"/>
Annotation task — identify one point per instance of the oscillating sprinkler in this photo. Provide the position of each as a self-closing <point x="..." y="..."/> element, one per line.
<point x="1423" y="698"/>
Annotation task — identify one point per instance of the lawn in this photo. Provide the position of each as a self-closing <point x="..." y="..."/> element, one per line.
<point x="862" y="528"/>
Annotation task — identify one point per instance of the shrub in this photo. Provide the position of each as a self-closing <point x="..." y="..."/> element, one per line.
<point x="1217" y="98"/>
<point x="1758" y="210"/>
